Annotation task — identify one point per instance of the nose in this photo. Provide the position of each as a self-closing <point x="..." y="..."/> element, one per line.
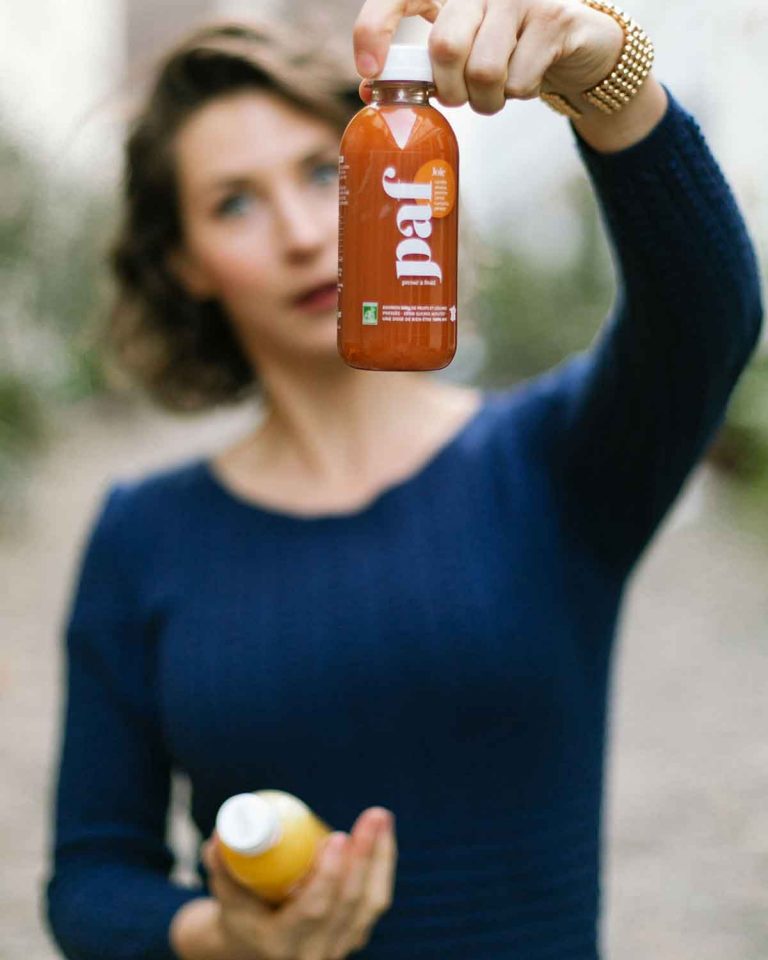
<point x="300" y="230"/>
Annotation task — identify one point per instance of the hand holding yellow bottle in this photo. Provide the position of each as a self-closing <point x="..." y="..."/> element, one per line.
<point x="269" y="841"/>
<point x="349" y="886"/>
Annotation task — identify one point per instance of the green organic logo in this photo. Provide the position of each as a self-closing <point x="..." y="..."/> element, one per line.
<point x="370" y="313"/>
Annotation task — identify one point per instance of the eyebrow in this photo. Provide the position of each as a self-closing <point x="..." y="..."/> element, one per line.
<point x="239" y="180"/>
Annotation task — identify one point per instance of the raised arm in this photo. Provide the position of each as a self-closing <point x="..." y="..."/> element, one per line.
<point x="108" y="892"/>
<point x="626" y="421"/>
<point x="634" y="413"/>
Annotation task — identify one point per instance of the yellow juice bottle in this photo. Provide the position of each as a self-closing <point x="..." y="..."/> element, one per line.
<point x="269" y="840"/>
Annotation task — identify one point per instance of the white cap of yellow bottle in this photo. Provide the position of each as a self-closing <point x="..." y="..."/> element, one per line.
<point x="248" y="824"/>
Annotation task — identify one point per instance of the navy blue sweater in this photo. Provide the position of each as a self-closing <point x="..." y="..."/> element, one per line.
<point x="444" y="651"/>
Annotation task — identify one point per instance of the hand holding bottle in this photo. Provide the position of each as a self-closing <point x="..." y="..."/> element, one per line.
<point x="333" y="912"/>
<point x="487" y="53"/>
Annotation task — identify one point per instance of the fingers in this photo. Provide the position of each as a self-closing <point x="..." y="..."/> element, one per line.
<point x="333" y="912"/>
<point x="540" y="45"/>
<point x="302" y="920"/>
<point x="488" y="62"/>
<point x="351" y="919"/>
<point x="378" y="892"/>
<point x="483" y="51"/>
<point x="376" y="24"/>
<point x="316" y="898"/>
<point x="450" y="43"/>
<point x="224" y="886"/>
<point x="381" y="878"/>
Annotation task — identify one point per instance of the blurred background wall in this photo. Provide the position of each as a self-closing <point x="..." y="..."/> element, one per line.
<point x="60" y="90"/>
<point x="687" y="824"/>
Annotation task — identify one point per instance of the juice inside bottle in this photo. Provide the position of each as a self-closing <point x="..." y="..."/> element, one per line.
<point x="269" y="840"/>
<point x="398" y="224"/>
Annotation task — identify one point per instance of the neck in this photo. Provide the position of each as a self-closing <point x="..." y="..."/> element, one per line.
<point x="332" y="421"/>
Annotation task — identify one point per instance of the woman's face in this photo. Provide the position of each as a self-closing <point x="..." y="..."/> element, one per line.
<point x="258" y="195"/>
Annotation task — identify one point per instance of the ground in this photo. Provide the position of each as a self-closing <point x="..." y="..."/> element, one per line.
<point x="686" y="827"/>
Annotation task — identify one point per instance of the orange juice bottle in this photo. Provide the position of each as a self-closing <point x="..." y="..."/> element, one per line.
<point x="269" y="840"/>
<point x="398" y="224"/>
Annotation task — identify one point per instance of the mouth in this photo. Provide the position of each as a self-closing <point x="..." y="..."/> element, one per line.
<point x="320" y="297"/>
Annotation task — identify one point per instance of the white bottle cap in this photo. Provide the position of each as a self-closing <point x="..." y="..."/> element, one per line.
<point x="407" y="62"/>
<point x="248" y="823"/>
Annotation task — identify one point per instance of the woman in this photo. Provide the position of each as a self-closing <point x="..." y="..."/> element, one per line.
<point x="394" y="596"/>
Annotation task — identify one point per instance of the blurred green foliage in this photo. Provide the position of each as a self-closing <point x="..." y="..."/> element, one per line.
<point x="532" y="314"/>
<point x="22" y="431"/>
<point x="741" y="449"/>
<point x="52" y="238"/>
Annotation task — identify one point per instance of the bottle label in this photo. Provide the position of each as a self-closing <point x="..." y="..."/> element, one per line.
<point x="421" y="312"/>
<point x="439" y="174"/>
<point x="370" y="313"/>
<point x="397" y="239"/>
<point x="414" y="222"/>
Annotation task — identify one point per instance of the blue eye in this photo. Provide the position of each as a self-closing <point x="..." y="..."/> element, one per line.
<point x="234" y="205"/>
<point x="328" y="172"/>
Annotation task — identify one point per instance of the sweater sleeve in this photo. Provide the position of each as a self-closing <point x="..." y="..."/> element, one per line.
<point x="108" y="893"/>
<point x="634" y="412"/>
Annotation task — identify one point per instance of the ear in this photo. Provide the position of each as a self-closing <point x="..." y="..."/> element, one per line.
<point x="190" y="274"/>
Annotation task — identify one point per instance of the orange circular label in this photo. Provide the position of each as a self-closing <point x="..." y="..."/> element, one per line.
<point x="440" y="174"/>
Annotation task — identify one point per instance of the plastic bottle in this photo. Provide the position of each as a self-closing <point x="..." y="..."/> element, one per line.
<point x="398" y="224"/>
<point x="269" y="840"/>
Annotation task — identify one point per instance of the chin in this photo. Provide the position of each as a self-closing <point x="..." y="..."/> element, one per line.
<point x="321" y="336"/>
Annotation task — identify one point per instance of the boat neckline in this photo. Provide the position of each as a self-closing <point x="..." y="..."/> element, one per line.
<point x="392" y="490"/>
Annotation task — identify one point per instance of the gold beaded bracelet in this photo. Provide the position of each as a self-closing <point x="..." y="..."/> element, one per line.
<point x="620" y="86"/>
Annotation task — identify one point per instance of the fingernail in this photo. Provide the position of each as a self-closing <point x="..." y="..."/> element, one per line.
<point x="367" y="65"/>
<point x="386" y="821"/>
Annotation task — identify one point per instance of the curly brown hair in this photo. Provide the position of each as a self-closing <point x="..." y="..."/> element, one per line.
<point x="181" y="350"/>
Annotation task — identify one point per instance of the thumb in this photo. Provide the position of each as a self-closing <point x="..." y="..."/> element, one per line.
<point x="209" y="853"/>
<point x="205" y="854"/>
<point x="376" y="25"/>
<point x="365" y="91"/>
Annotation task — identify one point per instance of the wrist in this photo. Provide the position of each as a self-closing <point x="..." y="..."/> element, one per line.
<point x="610" y="133"/>
<point x="598" y="41"/>
<point x="620" y="84"/>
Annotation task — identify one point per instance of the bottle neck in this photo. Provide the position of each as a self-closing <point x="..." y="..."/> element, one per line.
<point x="415" y="92"/>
